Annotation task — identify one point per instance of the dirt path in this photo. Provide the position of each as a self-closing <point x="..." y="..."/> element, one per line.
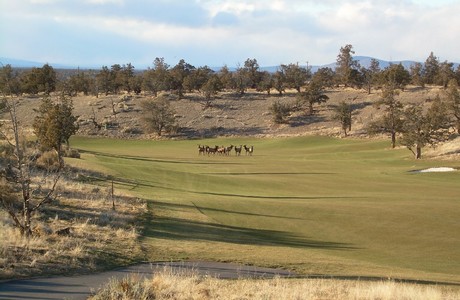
<point x="80" y="287"/>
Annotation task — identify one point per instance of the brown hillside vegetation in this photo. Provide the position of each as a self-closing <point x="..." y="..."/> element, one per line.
<point x="168" y="285"/>
<point x="232" y="114"/>
<point x="78" y="232"/>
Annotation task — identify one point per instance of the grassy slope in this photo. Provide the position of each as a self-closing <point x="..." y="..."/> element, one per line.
<point x="311" y="204"/>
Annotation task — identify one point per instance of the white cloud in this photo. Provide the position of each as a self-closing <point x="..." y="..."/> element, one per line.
<point x="101" y="2"/>
<point x="44" y="1"/>
<point x="273" y="31"/>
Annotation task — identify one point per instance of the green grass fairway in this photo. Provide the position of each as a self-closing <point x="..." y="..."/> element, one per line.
<point x="315" y="205"/>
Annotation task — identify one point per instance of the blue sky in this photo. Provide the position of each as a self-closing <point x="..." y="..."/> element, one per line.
<point x="218" y="32"/>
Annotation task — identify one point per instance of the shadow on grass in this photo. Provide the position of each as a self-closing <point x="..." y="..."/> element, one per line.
<point x="188" y="230"/>
<point x="146" y="159"/>
<point x="217" y="131"/>
<point x="203" y="210"/>
<point x="133" y="184"/>
<point x="266" y="173"/>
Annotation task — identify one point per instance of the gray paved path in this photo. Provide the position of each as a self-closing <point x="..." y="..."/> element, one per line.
<point x="81" y="286"/>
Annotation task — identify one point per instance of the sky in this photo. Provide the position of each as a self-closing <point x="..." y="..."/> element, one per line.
<point x="226" y="32"/>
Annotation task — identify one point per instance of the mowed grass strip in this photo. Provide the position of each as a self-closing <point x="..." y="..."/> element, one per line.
<point x="311" y="204"/>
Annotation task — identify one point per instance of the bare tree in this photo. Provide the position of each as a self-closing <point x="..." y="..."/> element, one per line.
<point x="21" y="196"/>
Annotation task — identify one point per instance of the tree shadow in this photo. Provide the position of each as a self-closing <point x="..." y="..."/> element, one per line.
<point x="360" y="105"/>
<point x="223" y="106"/>
<point x="303" y="120"/>
<point x="158" y="185"/>
<point x="354" y="105"/>
<point x="217" y="131"/>
<point x="176" y="206"/>
<point x="188" y="230"/>
<point x="154" y="160"/>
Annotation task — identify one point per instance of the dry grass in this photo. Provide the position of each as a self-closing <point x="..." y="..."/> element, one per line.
<point x="168" y="285"/>
<point x="97" y="237"/>
<point x="230" y="113"/>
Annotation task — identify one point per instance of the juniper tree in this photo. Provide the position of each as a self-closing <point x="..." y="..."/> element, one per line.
<point x="392" y="120"/>
<point x="430" y="69"/>
<point x="453" y="101"/>
<point x="295" y="76"/>
<point x="9" y="81"/>
<point x="346" y="67"/>
<point x="313" y="94"/>
<point x="421" y="129"/>
<point x="266" y="82"/>
<point x="343" y="115"/>
<point x="212" y="86"/>
<point x="55" y="123"/>
<point x="158" y="78"/>
<point x="158" y="115"/>
<point x="280" y="112"/>
<point x="279" y="82"/>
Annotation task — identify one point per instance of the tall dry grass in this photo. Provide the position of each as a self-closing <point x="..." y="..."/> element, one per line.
<point x="95" y="236"/>
<point x="170" y="285"/>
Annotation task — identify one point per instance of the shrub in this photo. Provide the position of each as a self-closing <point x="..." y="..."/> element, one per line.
<point x="73" y="153"/>
<point x="6" y="150"/>
<point x="49" y="161"/>
<point x="280" y="112"/>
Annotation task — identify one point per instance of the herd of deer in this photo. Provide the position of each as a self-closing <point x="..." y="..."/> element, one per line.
<point x="222" y="150"/>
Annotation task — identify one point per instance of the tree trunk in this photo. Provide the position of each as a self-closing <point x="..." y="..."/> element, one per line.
<point x="344" y="129"/>
<point x="27" y="230"/>
<point x="418" y="152"/>
<point x="393" y="140"/>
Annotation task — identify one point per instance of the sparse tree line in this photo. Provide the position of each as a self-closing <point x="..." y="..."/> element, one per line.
<point x="309" y="88"/>
<point x="185" y="78"/>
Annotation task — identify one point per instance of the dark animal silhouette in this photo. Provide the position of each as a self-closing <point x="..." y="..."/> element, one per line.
<point x="249" y="150"/>
<point x="202" y="149"/>
<point x="238" y="150"/>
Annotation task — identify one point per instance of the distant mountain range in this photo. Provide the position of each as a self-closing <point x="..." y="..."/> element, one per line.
<point x="364" y="61"/>
<point x="19" y="63"/>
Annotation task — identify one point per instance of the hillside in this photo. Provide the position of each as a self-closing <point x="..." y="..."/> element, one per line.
<point x="231" y="114"/>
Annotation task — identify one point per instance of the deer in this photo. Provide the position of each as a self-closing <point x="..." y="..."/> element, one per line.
<point x="228" y="149"/>
<point x="238" y="150"/>
<point x="221" y="150"/>
<point x="249" y="150"/>
<point x="202" y="149"/>
<point x="212" y="150"/>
